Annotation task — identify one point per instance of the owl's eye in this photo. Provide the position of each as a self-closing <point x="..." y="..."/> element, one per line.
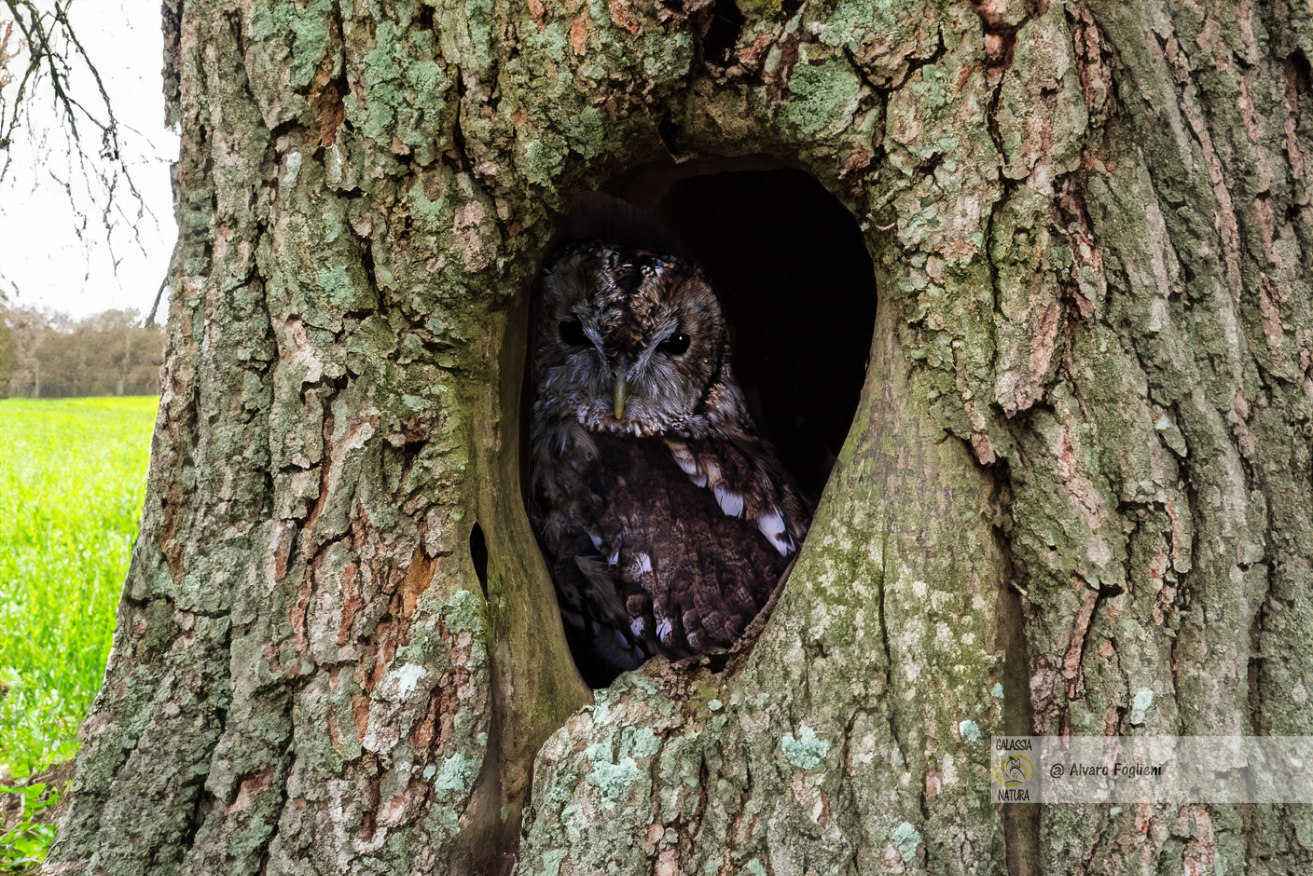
<point x="572" y="332"/>
<point x="675" y="345"/>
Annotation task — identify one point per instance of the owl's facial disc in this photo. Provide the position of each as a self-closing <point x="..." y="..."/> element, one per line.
<point x="632" y="341"/>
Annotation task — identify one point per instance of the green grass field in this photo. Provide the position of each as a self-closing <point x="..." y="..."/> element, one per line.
<point x="72" y="480"/>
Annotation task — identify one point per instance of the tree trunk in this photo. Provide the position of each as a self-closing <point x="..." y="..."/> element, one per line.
<point x="1074" y="498"/>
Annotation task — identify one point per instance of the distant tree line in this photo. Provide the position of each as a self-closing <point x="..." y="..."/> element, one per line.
<point x="45" y="354"/>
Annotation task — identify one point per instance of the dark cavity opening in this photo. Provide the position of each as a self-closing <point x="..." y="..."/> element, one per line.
<point x="798" y="290"/>
<point x="796" y="284"/>
<point x="479" y="556"/>
<point x="722" y="33"/>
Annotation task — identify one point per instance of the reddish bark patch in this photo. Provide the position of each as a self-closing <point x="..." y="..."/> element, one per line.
<point x="622" y="13"/>
<point x="859" y="160"/>
<point x="423" y="733"/>
<point x="335" y="734"/>
<point x="250" y="788"/>
<point x="1296" y="69"/>
<point x="360" y="712"/>
<point x="172" y="551"/>
<point x="1001" y="19"/>
<point x="539" y="12"/>
<point x="449" y="705"/>
<point x="351" y="602"/>
<point x="418" y="578"/>
<point x="298" y="616"/>
<point x="325" y="96"/>
<point x="1268" y="295"/>
<point x="1112" y="720"/>
<point x="439" y="725"/>
<point x="1095" y="78"/>
<point x="1071" y="666"/>
<point x="388" y="635"/>
<point x="283" y="550"/>
<point x="750" y="57"/>
<point x="1041" y="350"/>
<point x="579" y="34"/>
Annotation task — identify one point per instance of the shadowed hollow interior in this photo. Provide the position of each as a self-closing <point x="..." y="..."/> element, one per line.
<point x="796" y="285"/>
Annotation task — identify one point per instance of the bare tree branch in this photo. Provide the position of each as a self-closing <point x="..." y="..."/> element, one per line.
<point x="159" y="294"/>
<point x="40" y="52"/>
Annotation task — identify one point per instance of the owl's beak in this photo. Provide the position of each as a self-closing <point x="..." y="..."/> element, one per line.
<point x="619" y="392"/>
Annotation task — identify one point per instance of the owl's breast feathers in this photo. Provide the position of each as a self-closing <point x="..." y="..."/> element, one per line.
<point x="685" y="540"/>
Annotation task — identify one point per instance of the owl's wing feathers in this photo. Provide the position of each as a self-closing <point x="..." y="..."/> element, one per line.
<point x="595" y="617"/>
<point x="692" y="574"/>
<point x="747" y="480"/>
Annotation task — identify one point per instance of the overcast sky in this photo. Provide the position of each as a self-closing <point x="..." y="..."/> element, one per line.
<point x="42" y="261"/>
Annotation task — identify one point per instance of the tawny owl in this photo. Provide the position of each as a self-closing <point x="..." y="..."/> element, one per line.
<point x="667" y="521"/>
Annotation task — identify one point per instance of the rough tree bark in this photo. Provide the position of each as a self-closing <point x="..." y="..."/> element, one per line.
<point x="1075" y="497"/>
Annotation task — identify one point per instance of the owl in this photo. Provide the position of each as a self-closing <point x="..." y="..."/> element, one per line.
<point x="667" y="521"/>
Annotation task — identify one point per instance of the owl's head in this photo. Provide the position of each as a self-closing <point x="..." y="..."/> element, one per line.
<point x="631" y="341"/>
